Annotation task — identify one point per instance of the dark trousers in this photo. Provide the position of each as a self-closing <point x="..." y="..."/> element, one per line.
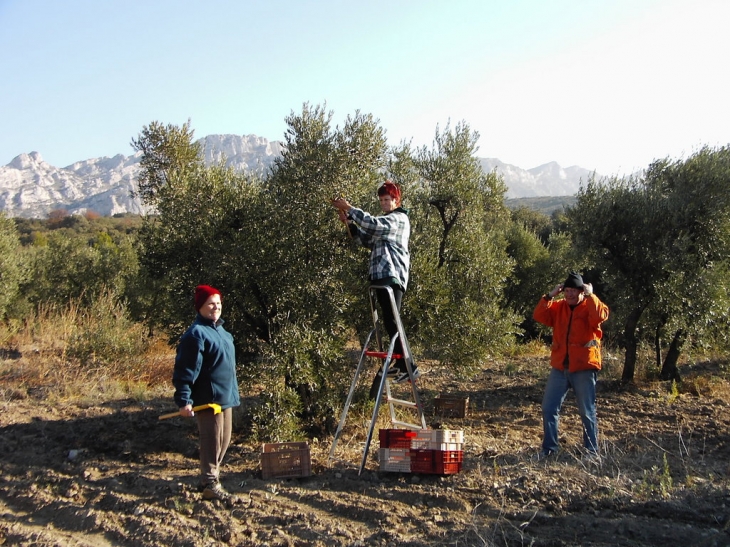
<point x="391" y="327"/>
<point x="215" y="436"/>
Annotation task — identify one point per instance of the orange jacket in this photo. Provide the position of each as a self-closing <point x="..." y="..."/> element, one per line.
<point x="577" y="331"/>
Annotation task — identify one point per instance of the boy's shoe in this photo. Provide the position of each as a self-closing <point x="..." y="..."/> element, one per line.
<point x="214" y="491"/>
<point x="403" y="376"/>
<point x="393" y="371"/>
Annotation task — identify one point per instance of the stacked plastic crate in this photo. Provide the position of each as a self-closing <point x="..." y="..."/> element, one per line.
<point x="428" y="451"/>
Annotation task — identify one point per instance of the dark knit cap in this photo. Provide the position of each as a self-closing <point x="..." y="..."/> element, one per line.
<point x="202" y="293"/>
<point x="574" y="281"/>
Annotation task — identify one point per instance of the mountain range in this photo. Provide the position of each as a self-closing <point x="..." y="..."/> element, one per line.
<point x="31" y="188"/>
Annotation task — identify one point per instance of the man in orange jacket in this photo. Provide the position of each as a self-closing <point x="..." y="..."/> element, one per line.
<point x="575" y="358"/>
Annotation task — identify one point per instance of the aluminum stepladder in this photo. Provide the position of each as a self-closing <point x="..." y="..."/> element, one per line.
<point x="389" y="359"/>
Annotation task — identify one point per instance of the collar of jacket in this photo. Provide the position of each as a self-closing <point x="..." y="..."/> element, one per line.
<point x="205" y="321"/>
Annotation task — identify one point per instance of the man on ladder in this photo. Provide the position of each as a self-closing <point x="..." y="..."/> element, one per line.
<point x="387" y="238"/>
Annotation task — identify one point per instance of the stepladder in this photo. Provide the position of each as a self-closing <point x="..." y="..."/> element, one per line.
<point x="404" y="407"/>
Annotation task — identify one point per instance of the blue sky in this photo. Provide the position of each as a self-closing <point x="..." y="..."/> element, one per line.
<point x="607" y="85"/>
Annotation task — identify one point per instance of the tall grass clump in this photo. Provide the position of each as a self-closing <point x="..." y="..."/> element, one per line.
<point x="104" y="336"/>
<point x="89" y="350"/>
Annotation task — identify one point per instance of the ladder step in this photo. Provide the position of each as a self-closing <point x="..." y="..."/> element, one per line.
<point x="382" y="354"/>
<point x="401" y="402"/>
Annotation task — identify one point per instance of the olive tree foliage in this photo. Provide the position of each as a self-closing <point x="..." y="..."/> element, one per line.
<point x="69" y="267"/>
<point x="542" y="256"/>
<point x="539" y="266"/>
<point x="661" y="242"/>
<point x="313" y="278"/>
<point x="277" y="251"/>
<point x="692" y="303"/>
<point x="12" y="271"/>
<point x="456" y="310"/>
<point x="203" y="232"/>
<point x="168" y="155"/>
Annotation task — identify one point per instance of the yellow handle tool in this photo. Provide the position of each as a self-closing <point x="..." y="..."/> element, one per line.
<point x="216" y="410"/>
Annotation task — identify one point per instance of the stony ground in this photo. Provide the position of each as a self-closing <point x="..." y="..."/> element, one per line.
<point x="112" y="474"/>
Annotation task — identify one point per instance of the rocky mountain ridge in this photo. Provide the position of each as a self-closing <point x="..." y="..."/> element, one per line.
<point x="31" y="187"/>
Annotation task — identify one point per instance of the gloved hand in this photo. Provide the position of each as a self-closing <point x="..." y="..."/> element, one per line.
<point x="587" y="289"/>
<point x="556" y="291"/>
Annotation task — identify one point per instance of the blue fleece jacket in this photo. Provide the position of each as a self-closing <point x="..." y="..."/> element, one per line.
<point x="205" y="366"/>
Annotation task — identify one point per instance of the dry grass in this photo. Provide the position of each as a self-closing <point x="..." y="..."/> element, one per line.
<point x="74" y="353"/>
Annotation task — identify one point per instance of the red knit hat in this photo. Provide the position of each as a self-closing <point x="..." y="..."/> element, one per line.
<point x="202" y="293"/>
<point x="388" y="187"/>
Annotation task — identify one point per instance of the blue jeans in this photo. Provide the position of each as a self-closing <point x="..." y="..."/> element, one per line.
<point x="584" y="386"/>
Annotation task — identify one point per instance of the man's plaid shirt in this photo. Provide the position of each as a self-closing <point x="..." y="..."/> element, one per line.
<point x="387" y="238"/>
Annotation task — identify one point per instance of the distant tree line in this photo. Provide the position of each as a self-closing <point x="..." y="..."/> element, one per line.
<point x="655" y="248"/>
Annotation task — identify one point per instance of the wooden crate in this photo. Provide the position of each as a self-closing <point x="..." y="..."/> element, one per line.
<point x="285" y="460"/>
<point x="448" y="406"/>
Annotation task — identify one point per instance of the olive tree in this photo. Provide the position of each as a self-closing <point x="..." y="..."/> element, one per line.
<point x="11" y="266"/>
<point x="459" y="260"/>
<point x="274" y="247"/>
<point x="660" y="241"/>
<point x="313" y="280"/>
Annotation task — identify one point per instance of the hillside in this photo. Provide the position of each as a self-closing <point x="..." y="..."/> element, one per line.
<point x="31" y="188"/>
<point x="546" y="204"/>
<point x="106" y="472"/>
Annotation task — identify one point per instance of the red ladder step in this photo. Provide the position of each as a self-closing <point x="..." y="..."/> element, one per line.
<point x="383" y="354"/>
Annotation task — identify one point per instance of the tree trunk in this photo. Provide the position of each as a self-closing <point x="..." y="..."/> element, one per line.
<point x="632" y="344"/>
<point x="669" y="369"/>
<point x="658" y="341"/>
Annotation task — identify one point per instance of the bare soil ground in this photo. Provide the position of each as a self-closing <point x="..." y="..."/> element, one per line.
<point x="112" y="474"/>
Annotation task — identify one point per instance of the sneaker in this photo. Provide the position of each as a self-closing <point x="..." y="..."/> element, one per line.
<point x="393" y="372"/>
<point x="403" y="376"/>
<point x="214" y="491"/>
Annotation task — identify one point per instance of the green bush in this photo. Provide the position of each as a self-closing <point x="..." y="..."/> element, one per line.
<point x="104" y="333"/>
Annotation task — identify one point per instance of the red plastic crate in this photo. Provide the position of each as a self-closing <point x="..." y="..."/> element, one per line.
<point x="436" y="462"/>
<point x="446" y="468"/>
<point x="396" y="438"/>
